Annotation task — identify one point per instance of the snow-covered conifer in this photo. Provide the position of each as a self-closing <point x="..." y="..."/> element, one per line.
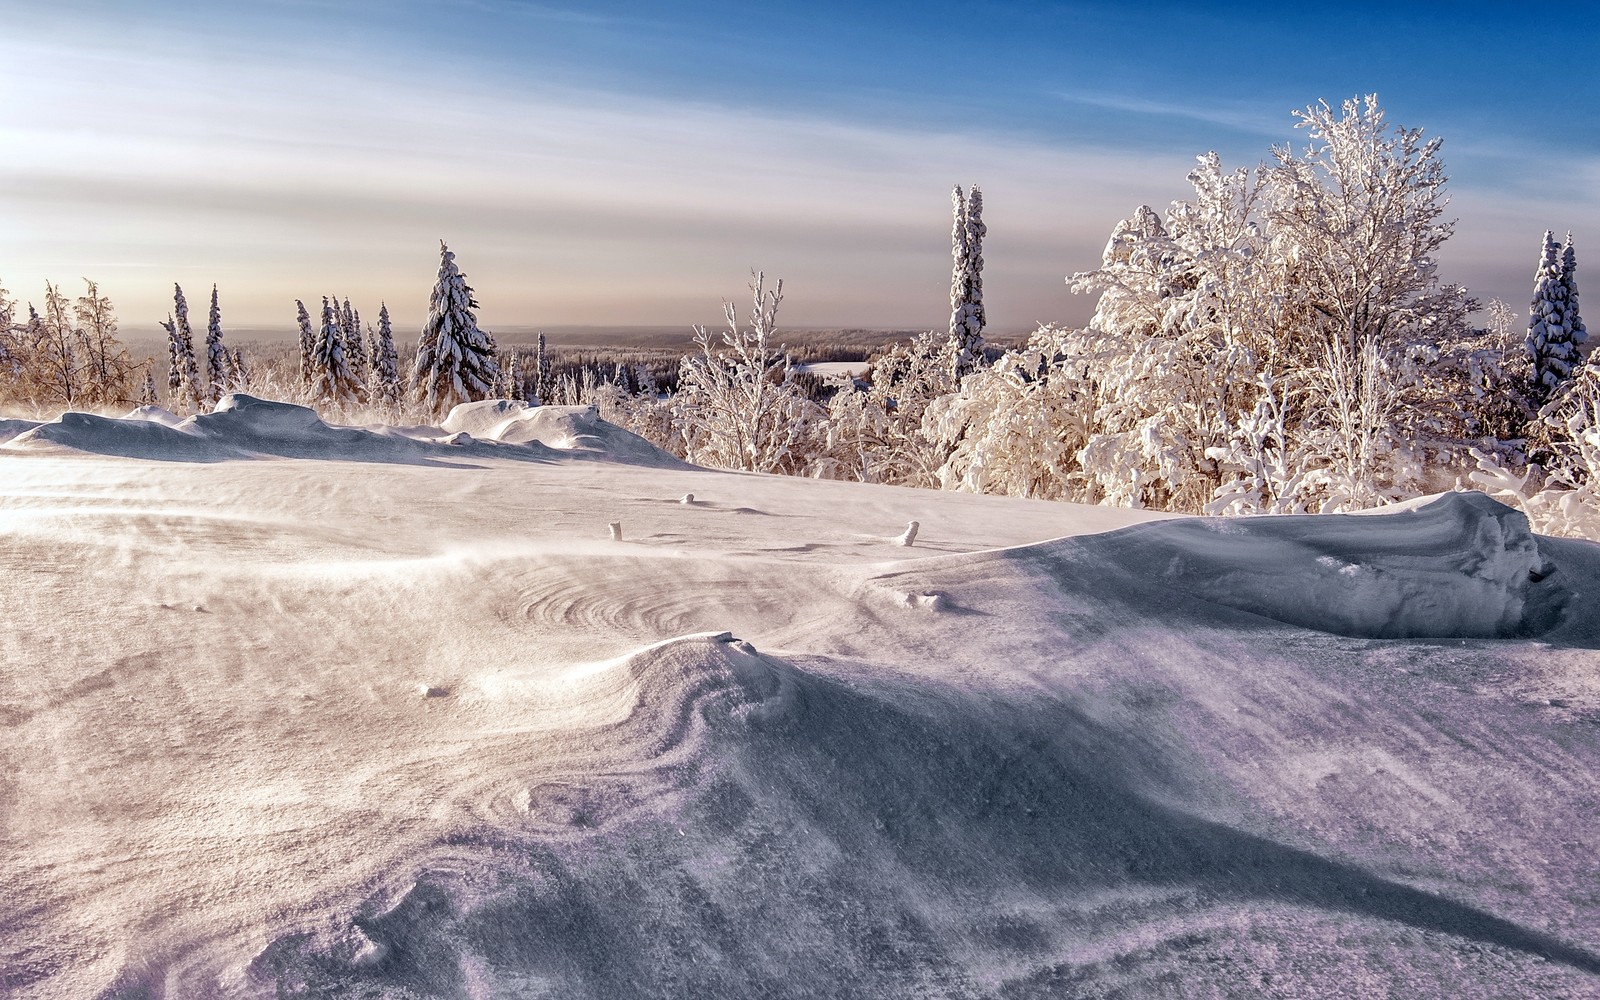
<point x="355" y="349"/>
<point x="1550" y="343"/>
<point x="333" y="381"/>
<point x="385" y="363"/>
<point x="967" y="316"/>
<point x="147" y="391"/>
<point x="185" y="393"/>
<point x="308" y="343"/>
<point x="218" y="361"/>
<point x="544" y="387"/>
<point x="1569" y="284"/>
<point x="513" y="378"/>
<point x="455" y="360"/>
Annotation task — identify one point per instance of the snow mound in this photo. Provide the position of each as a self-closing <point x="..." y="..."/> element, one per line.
<point x="99" y="435"/>
<point x="158" y="414"/>
<point x="10" y="428"/>
<point x="1459" y="566"/>
<point x="576" y="430"/>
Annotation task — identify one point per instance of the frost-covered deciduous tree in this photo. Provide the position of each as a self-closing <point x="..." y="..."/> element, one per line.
<point x="1550" y="343"/>
<point x="58" y="365"/>
<point x="967" y="315"/>
<point x="217" y="361"/>
<point x="737" y="403"/>
<point x="455" y="360"/>
<point x="108" y="371"/>
<point x="1359" y="215"/>
<point x="875" y="423"/>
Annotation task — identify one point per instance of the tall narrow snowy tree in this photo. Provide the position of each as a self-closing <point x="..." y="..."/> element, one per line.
<point x="355" y="349"/>
<point x="1569" y="285"/>
<point x="514" y="387"/>
<point x="308" y="344"/>
<point x="333" y="381"/>
<point x="218" y="364"/>
<point x="1550" y="343"/>
<point x="147" y="391"/>
<point x="192" y="394"/>
<point x="455" y="360"/>
<point x="544" y="385"/>
<point x="967" y="317"/>
<point x="385" y="363"/>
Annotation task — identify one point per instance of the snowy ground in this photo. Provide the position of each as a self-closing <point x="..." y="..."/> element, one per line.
<point x="306" y="712"/>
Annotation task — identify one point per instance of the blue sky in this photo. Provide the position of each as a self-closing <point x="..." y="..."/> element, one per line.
<point x="626" y="163"/>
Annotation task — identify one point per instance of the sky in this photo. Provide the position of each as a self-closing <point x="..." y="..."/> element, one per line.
<point x="623" y="163"/>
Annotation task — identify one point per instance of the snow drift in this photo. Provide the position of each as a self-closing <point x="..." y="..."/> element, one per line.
<point x="575" y="430"/>
<point x="415" y="729"/>
<point x="1460" y="565"/>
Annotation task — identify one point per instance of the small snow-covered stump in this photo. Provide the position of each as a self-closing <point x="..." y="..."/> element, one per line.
<point x="688" y="498"/>
<point x="909" y="536"/>
<point x="616" y="530"/>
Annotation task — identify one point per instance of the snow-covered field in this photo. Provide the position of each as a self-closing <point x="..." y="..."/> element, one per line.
<point x="298" y="711"/>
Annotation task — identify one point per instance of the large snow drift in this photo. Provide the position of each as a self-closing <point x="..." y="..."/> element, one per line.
<point x="307" y="728"/>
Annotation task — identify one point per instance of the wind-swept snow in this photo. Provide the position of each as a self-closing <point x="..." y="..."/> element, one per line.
<point x="380" y="715"/>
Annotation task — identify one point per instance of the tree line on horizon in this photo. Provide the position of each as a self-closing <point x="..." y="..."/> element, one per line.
<point x="1281" y="342"/>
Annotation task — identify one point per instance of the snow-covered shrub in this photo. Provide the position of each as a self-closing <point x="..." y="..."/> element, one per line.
<point x="737" y="405"/>
<point x="875" y="428"/>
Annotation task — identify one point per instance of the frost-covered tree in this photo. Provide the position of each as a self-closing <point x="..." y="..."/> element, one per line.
<point x="58" y="365"/>
<point x="308" y="343"/>
<point x="333" y="382"/>
<point x="455" y="360"/>
<point x="1551" y="343"/>
<point x="218" y="362"/>
<point x="543" y="377"/>
<point x="385" y="378"/>
<point x="737" y="403"/>
<point x="967" y="316"/>
<point x="238" y="372"/>
<point x="354" y="344"/>
<point x="189" y="394"/>
<point x="1359" y="215"/>
<point x="147" y="391"/>
<point x="1569" y="284"/>
<point x="109" y="372"/>
<point x="875" y="430"/>
<point x="513" y="378"/>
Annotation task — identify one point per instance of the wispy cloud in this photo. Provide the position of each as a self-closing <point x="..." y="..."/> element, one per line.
<point x="1249" y="119"/>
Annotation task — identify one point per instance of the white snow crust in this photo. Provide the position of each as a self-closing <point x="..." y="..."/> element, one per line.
<point x="293" y="710"/>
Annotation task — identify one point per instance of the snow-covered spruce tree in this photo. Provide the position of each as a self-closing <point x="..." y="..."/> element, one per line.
<point x="217" y="360"/>
<point x="308" y="343"/>
<point x="385" y="378"/>
<point x="191" y="395"/>
<point x="737" y="404"/>
<point x="147" y="391"/>
<point x="967" y="316"/>
<point x="355" y="348"/>
<point x="455" y="360"/>
<point x="1550" y="344"/>
<point x="333" y="383"/>
<point x="1569" y="284"/>
<point x="513" y="377"/>
<point x="544" y="387"/>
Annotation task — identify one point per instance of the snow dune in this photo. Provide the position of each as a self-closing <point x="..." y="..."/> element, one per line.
<point x="386" y="715"/>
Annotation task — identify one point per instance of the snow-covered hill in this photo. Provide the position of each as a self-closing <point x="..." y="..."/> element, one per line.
<point x="291" y="710"/>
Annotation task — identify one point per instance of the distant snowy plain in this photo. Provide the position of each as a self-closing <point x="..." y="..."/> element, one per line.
<point x="291" y="710"/>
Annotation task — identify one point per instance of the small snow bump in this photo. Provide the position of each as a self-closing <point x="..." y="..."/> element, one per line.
<point x="429" y="691"/>
<point x="723" y="637"/>
<point x="688" y="498"/>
